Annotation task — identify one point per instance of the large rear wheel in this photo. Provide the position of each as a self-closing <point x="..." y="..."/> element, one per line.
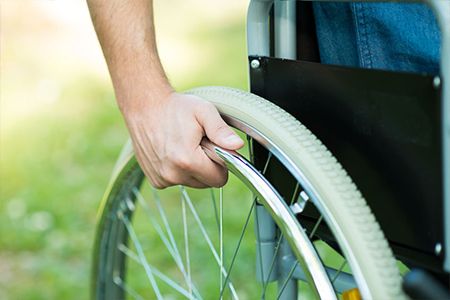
<point x="312" y="224"/>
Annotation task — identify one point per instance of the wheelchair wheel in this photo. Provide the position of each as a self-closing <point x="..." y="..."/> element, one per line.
<point x="311" y="224"/>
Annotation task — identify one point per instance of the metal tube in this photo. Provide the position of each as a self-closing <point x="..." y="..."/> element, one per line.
<point x="285" y="29"/>
<point x="290" y="287"/>
<point x="258" y="44"/>
<point x="441" y="10"/>
<point x="265" y="245"/>
<point x="258" y="36"/>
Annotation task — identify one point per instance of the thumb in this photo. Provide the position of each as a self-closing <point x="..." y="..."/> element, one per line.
<point x="218" y="131"/>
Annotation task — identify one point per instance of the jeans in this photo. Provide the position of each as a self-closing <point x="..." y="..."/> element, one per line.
<point x="388" y="36"/>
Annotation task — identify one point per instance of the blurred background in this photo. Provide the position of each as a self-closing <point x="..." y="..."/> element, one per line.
<point x="61" y="131"/>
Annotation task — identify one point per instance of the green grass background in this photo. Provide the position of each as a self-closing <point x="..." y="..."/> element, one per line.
<point x="61" y="131"/>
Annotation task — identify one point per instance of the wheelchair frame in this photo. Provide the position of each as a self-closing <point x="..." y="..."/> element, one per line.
<point x="285" y="20"/>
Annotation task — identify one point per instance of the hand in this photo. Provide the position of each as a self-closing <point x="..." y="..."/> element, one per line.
<point x="166" y="138"/>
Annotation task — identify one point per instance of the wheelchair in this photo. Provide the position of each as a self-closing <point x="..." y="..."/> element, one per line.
<point x="341" y="192"/>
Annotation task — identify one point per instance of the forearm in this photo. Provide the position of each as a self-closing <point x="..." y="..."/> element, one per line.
<point x="126" y="33"/>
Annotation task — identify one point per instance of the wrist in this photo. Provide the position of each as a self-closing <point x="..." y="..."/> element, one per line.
<point x="138" y="83"/>
<point x="137" y="97"/>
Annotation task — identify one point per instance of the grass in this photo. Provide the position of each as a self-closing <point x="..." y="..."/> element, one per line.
<point x="56" y="168"/>
<point x="61" y="134"/>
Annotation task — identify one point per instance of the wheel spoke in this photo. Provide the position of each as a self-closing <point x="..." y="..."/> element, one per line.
<point x="141" y="256"/>
<point x="165" y="222"/>
<point x="291" y="272"/>
<point x="207" y="238"/>
<point x="175" y="255"/>
<point x="221" y="238"/>
<point x="316" y="226"/>
<point x="251" y="155"/>
<point x="266" y="164"/>
<point x="272" y="264"/>
<point x="233" y="258"/>
<point x="128" y="252"/>
<point x="277" y="247"/>
<point x="118" y="281"/>
<point x="216" y="214"/>
<point x="259" y="247"/>
<point x="339" y="271"/>
<point x="297" y="186"/>
<point x="186" y="247"/>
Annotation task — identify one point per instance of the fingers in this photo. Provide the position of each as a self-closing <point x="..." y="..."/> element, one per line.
<point x="162" y="180"/>
<point x="196" y="171"/>
<point x="207" y="171"/>
<point x="216" y="129"/>
<point x="160" y="183"/>
<point x="170" y="176"/>
<point x="208" y="147"/>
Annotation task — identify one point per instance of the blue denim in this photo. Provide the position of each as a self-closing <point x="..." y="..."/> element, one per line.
<point x="388" y="36"/>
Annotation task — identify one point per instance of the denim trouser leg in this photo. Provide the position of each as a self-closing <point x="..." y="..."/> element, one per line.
<point x="389" y="36"/>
